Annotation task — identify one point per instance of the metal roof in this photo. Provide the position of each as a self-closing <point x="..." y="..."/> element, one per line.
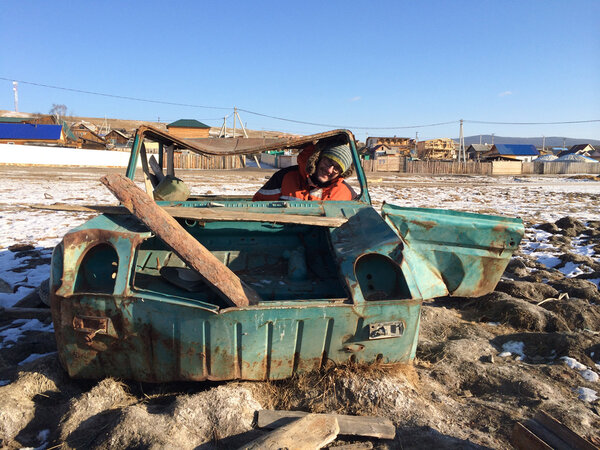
<point x="577" y="158"/>
<point x="579" y="147"/>
<point x="480" y="147"/>
<point x="235" y="146"/>
<point x="30" y="131"/>
<point x="188" y="123"/>
<point x="14" y="119"/>
<point x="516" y="149"/>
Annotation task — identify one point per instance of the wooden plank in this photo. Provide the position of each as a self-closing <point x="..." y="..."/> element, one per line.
<point x="218" y="276"/>
<point x="563" y="432"/>
<point x="523" y="439"/>
<point x="377" y="427"/>
<point x="206" y="214"/>
<point x="310" y="432"/>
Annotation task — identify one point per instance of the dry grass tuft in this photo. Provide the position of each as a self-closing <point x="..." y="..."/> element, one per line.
<point x="343" y="389"/>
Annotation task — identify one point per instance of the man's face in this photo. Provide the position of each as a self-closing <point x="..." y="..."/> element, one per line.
<point x="327" y="170"/>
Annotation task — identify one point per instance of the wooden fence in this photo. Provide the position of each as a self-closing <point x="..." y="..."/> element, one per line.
<point x="404" y="165"/>
<point x="560" y="167"/>
<point x="188" y="160"/>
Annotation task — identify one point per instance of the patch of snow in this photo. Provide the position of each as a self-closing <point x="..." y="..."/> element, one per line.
<point x="43" y="436"/>
<point x="548" y="260"/>
<point x="12" y="335"/>
<point x="571" y="269"/>
<point x="583" y="370"/>
<point x="35" y="356"/>
<point x="586" y="394"/>
<point x="573" y="363"/>
<point x="513" y="347"/>
<point x="590" y="375"/>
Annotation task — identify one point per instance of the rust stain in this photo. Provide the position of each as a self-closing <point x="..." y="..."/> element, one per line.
<point x="427" y="224"/>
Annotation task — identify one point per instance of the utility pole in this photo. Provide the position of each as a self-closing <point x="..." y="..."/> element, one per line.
<point x="223" y="130"/>
<point x="461" y="144"/>
<point x="492" y="138"/>
<point x="564" y="145"/>
<point x="234" y="114"/>
<point x="16" y="91"/>
<point x="416" y="140"/>
<point x="479" y="139"/>
<point x="543" y="144"/>
<point x="241" y="123"/>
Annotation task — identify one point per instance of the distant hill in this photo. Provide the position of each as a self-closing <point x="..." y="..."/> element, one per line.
<point x="551" y="141"/>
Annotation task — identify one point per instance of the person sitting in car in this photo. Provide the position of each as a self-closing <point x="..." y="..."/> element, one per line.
<point x="319" y="175"/>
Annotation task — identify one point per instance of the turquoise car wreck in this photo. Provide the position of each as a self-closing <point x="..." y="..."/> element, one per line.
<point x="222" y="288"/>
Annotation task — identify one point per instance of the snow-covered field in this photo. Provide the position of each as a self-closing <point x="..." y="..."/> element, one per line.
<point x="497" y="361"/>
<point x="534" y="199"/>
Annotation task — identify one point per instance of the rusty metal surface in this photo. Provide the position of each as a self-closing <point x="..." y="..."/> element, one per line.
<point x="349" y="292"/>
<point x="216" y="274"/>
<point x="239" y="146"/>
<point x="157" y="342"/>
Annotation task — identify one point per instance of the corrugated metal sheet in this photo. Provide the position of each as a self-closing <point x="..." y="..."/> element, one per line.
<point x="516" y="149"/>
<point x="29" y="131"/>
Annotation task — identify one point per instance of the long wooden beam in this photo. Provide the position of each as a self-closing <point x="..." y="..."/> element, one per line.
<point x="208" y="214"/>
<point x="218" y="276"/>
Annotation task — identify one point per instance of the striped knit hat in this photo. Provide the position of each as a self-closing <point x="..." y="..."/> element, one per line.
<point x="340" y="154"/>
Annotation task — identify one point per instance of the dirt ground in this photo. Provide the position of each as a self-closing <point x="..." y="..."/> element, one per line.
<point x="482" y="364"/>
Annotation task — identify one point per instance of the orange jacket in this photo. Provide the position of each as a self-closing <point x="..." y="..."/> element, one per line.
<point x="291" y="183"/>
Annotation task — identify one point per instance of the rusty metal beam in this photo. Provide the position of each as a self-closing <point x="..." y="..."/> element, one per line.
<point x="226" y="283"/>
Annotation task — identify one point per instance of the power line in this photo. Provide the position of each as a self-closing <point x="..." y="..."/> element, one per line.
<point x="123" y="97"/>
<point x="81" y="91"/>
<point x="533" y="123"/>
<point x="345" y="126"/>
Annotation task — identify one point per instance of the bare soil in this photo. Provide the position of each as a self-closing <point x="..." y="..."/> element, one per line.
<point x="459" y="393"/>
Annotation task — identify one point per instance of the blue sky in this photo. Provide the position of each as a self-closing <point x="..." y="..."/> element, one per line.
<point x="362" y="65"/>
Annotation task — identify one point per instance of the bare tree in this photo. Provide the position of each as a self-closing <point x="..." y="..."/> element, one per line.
<point x="58" y="110"/>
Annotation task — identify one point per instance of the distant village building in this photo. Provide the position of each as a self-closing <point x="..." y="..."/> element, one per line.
<point x="27" y="133"/>
<point x="86" y="132"/>
<point x="188" y="129"/>
<point x="474" y="151"/>
<point x="579" y="149"/>
<point x="116" y="139"/>
<point x="512" y="152"/>
<point x="384" y="146"/>
<point x="443" y="148"/>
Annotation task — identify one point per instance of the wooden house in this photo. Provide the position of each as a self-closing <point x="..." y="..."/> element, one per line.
<point x="511" y="152"/>
<point x="87" y="135"/>
<point x="116" y="139"/>
<point x="384" y="146"/>
<point x="474" y="151"/>
<point x="31" y="134"/>
<point x="443" y="148"/>
<point x="188" y="129"/>
<point x="579" y="149"/>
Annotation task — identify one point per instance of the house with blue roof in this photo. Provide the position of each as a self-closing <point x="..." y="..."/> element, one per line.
<point x="511" y="152"/>
<point x="28" y="133"/>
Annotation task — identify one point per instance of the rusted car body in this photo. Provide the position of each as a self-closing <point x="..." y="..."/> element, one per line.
<point x="334" y="281"/>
